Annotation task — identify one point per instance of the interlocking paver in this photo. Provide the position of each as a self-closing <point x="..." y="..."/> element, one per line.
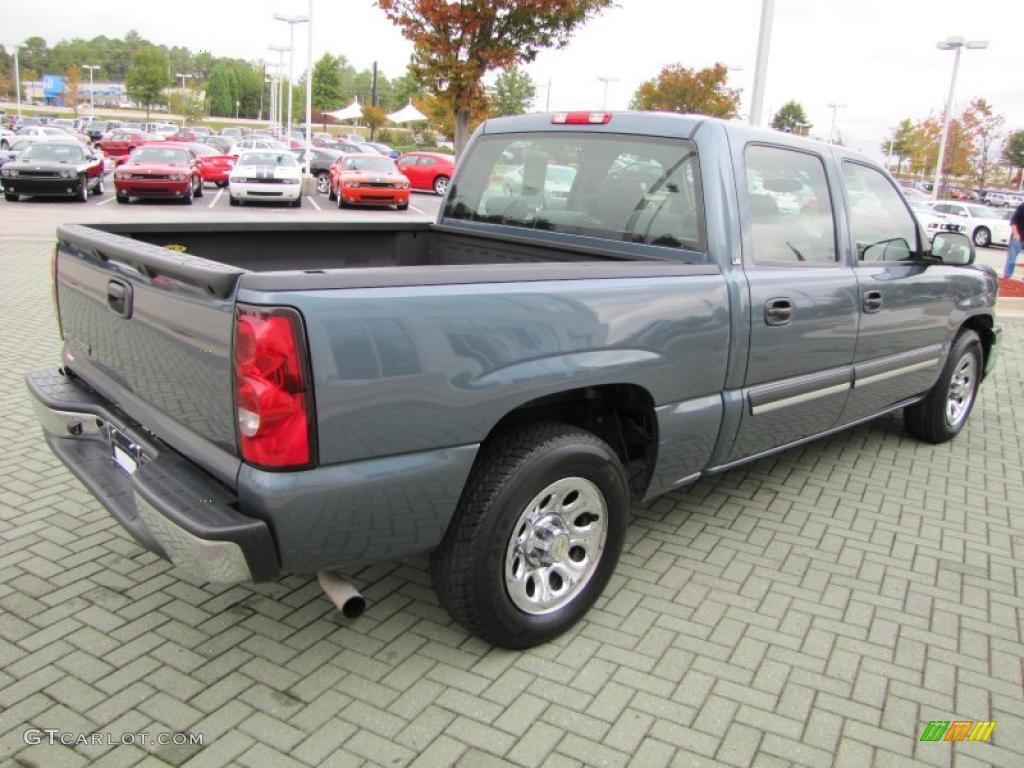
<point x="818" y="607"/>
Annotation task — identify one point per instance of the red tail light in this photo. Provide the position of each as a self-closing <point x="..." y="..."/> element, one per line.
<point x="273" y="392"/>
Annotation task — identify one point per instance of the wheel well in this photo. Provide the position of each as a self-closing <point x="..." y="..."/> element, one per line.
<point x="982" y="325"/>
<point x="620" y="414"/>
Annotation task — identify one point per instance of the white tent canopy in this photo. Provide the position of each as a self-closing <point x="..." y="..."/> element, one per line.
<point x="407" y="114"/>
<point x="351" y="112"/>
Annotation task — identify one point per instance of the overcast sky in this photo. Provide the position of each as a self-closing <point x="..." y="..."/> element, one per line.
<point x="876" y="56"/>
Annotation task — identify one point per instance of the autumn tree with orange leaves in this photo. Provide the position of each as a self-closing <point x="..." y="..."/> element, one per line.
<point x="695" y="91"/>
<point x="456" y="43"/>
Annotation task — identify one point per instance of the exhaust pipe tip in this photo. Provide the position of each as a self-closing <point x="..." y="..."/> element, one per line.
<point x="343" y="594"/>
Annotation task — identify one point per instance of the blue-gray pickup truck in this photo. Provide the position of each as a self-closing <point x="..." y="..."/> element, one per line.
<point x="609" y="307"/>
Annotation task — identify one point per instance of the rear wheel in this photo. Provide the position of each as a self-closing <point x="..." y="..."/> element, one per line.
<point x="982" y="237"/>
<point x="323" y="184"/>
<point x="536" y="535"/>
<point x="441" y="185"/>
<point x="944" y="412"/>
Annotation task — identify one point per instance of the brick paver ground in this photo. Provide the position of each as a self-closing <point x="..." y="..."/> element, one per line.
<point x="816" y="608"/>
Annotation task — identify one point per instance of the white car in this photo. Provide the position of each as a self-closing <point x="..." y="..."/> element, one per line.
<point x="269" y="175"/>
<point x="933" y="221"/>
<point x="246" y="144"/>
<point x="984" y="225"/>
<point x="49" y="133"/>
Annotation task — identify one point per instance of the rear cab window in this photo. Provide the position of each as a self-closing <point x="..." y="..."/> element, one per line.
<point x="607" y="188"/>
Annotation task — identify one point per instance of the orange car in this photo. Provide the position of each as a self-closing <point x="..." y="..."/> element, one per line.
<point x="365" y="179"/>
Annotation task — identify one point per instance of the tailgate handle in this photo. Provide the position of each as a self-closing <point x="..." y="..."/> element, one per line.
<point x="119" y="297"/>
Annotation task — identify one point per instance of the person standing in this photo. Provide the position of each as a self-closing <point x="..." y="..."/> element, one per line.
<point x="1013" y="247"/>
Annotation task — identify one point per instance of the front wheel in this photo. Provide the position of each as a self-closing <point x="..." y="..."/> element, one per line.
<point x="944" y="412"/>
<point x="10" y="197"/>
<point x="323" y="184"/>
<point x="297" y="202"/>
<point x="441" y="185"/>
<point x="982" y="237"/>
<point x="536" y="535"/>
<point x="402" y="206"/>
<point x="199" y="188"/>
<point x="187" y="200"/>
<point x="83" y="189"/>
<point x="121" y="199"/>
<point x="232" y="200"/>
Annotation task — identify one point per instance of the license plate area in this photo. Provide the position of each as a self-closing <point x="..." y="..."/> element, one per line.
<point x="124" y="452"/>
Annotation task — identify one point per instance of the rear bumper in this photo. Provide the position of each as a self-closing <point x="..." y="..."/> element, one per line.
<point x="169" y="505"/>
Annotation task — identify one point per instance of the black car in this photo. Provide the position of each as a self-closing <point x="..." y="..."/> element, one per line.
<point x="97" y="129"/>
<point x="320" y="161"/>
<point x="51" y="169"/>
<point x="221" y="143"/>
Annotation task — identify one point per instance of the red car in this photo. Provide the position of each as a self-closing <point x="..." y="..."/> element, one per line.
<point x="363" y="179"/>
<point x="122" y="143"/>
<point x="427" y="170"/>
<point x="161" y="172"/>
<point x="214" y="167"/>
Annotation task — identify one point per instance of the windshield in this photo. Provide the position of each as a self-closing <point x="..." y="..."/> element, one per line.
<point x="627" y="189"/>
<point x="65" y="153"/>
<point x="981" y="212"/>
<point x="283" y="159"/>
<point x="377" y="164"/>
<point x="160" y="155"/>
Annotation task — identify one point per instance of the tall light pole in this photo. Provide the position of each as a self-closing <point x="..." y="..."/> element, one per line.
<point x="951" y="44"/>
<point x="606" y="79"/>
<point x="92" y="93"/>
<point x="764" y="42"/>
<point x="281" y="50"/>
<point x="832" y="130"/>
<point x="309" y="86"/>
<point x="182" y="75"/>
<point x="291" y="21"/>
<point x="17" y="81"/>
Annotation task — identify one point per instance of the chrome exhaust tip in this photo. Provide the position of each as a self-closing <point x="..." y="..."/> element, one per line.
<point x="343" y="594"/>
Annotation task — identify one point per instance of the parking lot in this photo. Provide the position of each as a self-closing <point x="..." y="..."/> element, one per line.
<point x="816" y="608"/>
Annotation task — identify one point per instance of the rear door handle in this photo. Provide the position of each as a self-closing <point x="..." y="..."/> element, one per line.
<point x="872" y="301"/>
<point x="778" y="311"/>
<point x="119" y="297"/>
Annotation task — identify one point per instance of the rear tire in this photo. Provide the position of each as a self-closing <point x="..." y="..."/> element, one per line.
<point x="441" y="185"/>
<point x="536" y="535"/>
<point x="982" y="237"/>
<point x="323" y="184"/>
<point x="944" y="412"/>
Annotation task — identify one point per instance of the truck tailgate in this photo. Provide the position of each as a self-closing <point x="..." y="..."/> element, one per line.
<point x="151" y="329"/>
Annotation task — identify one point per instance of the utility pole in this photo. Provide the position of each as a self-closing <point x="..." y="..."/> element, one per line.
<point x="92" y="90"/>
<point x="832" y="130"/>
<point x="951" y="44"/>
<point x="182" y="75"/>
<point x="764" y="42"/>
<point x="291" y="21"/>
<point x="605" y="79"/>
<point x="281" y="51"/>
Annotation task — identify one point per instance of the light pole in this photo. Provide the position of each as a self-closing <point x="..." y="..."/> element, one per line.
<point x="951" y="44"/>
<point x="606" y="79"/>
<point x="182" y="75"/>
<point x="309" y="86"/>
<point x="17" y="81"/>
<point x="291" y="21"/>
<point x="281" y="50"/>
<point x="92" y="94"/>
<point x="764" y="42"/>
<point x="832" y="130"/>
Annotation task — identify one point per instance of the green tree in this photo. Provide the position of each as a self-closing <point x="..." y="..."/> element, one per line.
<point x="900" y="142"/>
<point x="513" y="92"/>
<point x="219" y="95"/>
<point x="147" y="77"/>
<point x="33" y="55"/>
<point x="327" y="83"/>
<point x="791" y="118"/>
<point x="456" y="44"/>
<point x="374" y="117"/>
<point x="1013" y="150"/>
<point x="679" y="89"/>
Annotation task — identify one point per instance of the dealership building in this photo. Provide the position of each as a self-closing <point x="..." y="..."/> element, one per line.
<point x="51" y="91"/>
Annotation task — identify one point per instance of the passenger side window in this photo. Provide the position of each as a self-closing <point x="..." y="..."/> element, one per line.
<point x="882" y="227"/>
<point x="427" y="161"/>
<point x="790" y="207"/>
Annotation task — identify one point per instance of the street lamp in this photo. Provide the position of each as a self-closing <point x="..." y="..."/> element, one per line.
<point x="237" y="104"/>
<point x="309" y="87"/>
<point x="764" y="42"/>
<point x="182" y="75"/>
<point x="951" y="44"/>
<point x="92" y="92"/>
<point x="832" y="130"/>
<point x="606" y="79"/>
<point x="291" y="21"/>
<point x="281" y="50"/>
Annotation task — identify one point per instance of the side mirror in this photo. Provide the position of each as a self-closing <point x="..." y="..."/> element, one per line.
<point x="953" y="248"/>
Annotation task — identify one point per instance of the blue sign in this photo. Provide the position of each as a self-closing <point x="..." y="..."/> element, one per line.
<point x="53" y="86"/>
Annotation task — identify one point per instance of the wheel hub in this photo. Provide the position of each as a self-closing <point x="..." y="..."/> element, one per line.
<point x="556" y="545"/>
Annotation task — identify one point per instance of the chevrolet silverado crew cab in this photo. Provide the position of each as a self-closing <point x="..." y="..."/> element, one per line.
<point x="655" y="298"/>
